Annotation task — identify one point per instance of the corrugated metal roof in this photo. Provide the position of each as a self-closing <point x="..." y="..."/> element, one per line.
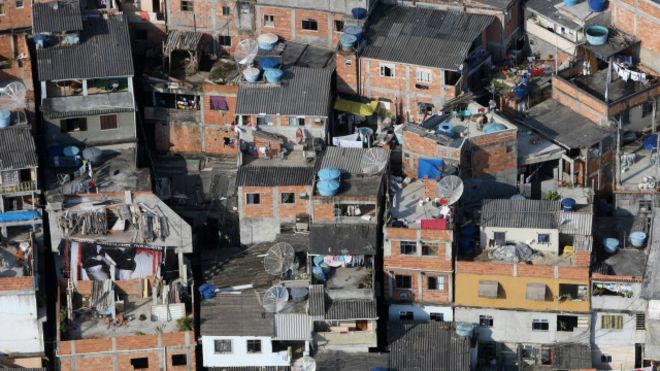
<point x="95" y="104"/>
<point x="303" y="92"/>
<point x="327" y="360"/>
<point x="104" y="50"/>
<point x="272" y="176"/>
<point x="236" y="315"/>
<point x="348" y="160"/>
<point x="293" y="326"/>
<point x="575" y="223"/>
<point x="17" y="149"/>
<point x="582" y="243"/>
<point x="316" y="300"/>
<point x="56" y="16"/>
<point x="351" y="309"/>
<point x="251" y="368"/>
<point x="182" y="40"/>
<point x="422" y="36"/>
<point x="507" y="213"/>
<point x="343" y="239"/>
<point x="427" y="346"/>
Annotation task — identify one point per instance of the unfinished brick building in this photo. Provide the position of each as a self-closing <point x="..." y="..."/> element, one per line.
<point x="15" y="61"/>
<point x="640" y="18"/>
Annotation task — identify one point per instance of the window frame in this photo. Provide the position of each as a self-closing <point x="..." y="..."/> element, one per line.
<point x="544" y="240"/>
<point x="486" y="321"/>
<point x="251" y="343"/>
<point x="269" y="20"/>
<point x="423" y="72"/>
<point x="140" y="363"/>
<point x="640" y="321"/>
<point x="430" y="246"/>
<point x="613" y="322"/>
<point x="106" y="117"/>
<point x="226" y="11"/>
<point x="407" y="244"/>
<point x="439" y="283"/>
<point x="436" y="314"/>
<point x="226" y="341"/>
<point x="292" y="196"/>
<point x="312" y="24"/>
<point x="179" y="359"/>
<point x="253" y="198"/>
<point x="336" y="23"/>
<point x="405" y="279"/>
<point x="387" y="67"/>
<point x="187" y="6"/>
<point x="542" y="325"/>
<point x="222" y="40"/>
<point x="499" y="233"/>
<point x="82" y="124"/>
<point x="22" y="2"/>
<point x="3" y="9"/>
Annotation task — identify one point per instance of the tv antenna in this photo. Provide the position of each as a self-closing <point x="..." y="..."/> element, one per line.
<point x="450" y="188"/>
<point x="279" y="259"/>
<point x="275" y="299"/>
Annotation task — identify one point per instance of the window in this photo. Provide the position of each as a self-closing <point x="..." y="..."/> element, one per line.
<point x="254" y="346"/>
<point x="19" y="3"/>
<point x="430" y="248"/>
<point x="425" y="107"/>
<point x="387" y="70"/>
<point x="348" y="62"/>
<point x="640" y="321"/>
<point x="224" y="40"/>
<point x="253" y="199"/>
<point x="296" y="121"/>
<point x="179" y="360"/>
<point x="566" y="323"/>
<point x="222" y="346"/>
<point x="486" y="321"/>
<point x="437" y="317"/>
<point x="540" y="325"/>
<point x="543" y="238"/>
<point x="605" y="358"/>
<point x="546" y="355"/>
<point x="2" y="7"/>
<point x="647" y="109"/>
<point x="500" y="238"/>
<point x="339" y="26"/>
<point x="310" y="25"/>
<point x="436" y="283"/>
<point x="403" y="282"/>
<point x="140" y="363"/>
<point x="187" y="5"/>
<point x="408" y="247"/>
<point x="406" y="316"/>
<point x="10" y="177"/>
<point x="109" y="122"/>
<point x="288" y="198"/>
<point x="572" y="292"/>
<point x="424" y="75"/>
<point x="269" y="20"/>
<point x="611" y="322"/>
<point x="226" y="11"/>
<point x="71" y="125"/>
<point x="509" y="148"/>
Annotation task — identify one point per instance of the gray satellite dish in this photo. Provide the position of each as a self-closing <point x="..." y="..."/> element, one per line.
<point x="275" y="299"/>
<point x="12" y="96"/>
<point x="279" y="259"/>
<point x="305" y="363"/>
<point x="246" y="51"/>
<point x="374" y="161"/>
<point x="450" y="188"/>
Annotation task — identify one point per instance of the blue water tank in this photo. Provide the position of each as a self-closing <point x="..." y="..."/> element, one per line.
<point x="446" y="129"/>
<point x="18" y="216"/>
<point x="71" y="151"/>
<point x="597" y="35"/>
<point x="611" y="245"/>
<point x="355" y="31"/>
<point x="570" y="2"/>
<point x="568" y="204"/>
<point x="273" y="75"/>
<point x="251" y="74"/>
<point x="206" y="291"/>
<point x="347" y="41"/>
<point x="329" y="173"/>
<point x="650" y="142"/>
<point x="266" y="63"/>
<point x="359" y="13"/>
<point x="638" y="238"/>
<point x="5" y="118"/>
<point x="328" y="188"/>
<point x="494" y="128"/>
<point x="597" y="5"/>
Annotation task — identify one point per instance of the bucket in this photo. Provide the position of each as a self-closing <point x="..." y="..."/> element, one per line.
<point x="611" y="245"/>
<point x="597" y="35"/>
<point x="267" y="41"/>
<point x="251" y="74"/>
<point x="446" y="129"/>
<point x="650" y="142"/>
<point x="273" y="75"/>
<point x="355" y="31"/>
<point x="267" y="63"/>
<point x="328" y="187"/>
<point x="597" y="5"/>
<point x="359" y="13"/>
<point x="5" y="118"/>
<point x="568" y="204"/>
<point x="299" y="294"/>
<point x="347" y="41"/>
<point x="637" y="239"/>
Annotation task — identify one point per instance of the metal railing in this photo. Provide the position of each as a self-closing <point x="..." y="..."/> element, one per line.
<point x="24" y="186"/>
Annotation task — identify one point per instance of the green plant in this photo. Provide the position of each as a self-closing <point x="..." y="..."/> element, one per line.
<point x="64" y="323"/>
<point x="551" y="196"/>
<point x="184" y="323"/>
<point x="139" y="333"/>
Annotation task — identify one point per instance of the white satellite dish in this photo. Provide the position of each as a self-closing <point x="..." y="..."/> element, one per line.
<point x="12" y="96"/>
<point x="450" y="188"/>
<point x="279" y="258"/>
<point x="305" y="363"/>
<point x="246" y="51"/>
<point x="374" y="161"/>
<point x="275" y="299"/>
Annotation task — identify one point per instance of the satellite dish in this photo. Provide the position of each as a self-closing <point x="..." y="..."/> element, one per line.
<point x="12" y="96"/>
<point x="305" y="363"/>
<point x="279" y="259"/>
<point x="275" y="299"/>
<point x="374" y="161"/>
<point x="450" y="188"/>
<point x="246" y="51"/>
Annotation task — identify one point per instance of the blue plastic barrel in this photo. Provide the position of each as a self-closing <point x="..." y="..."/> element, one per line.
<point x="347" y="41"/>
<point x="328" y="188"/>
<point x="650" y="142"/>
<point x="273" y="75"/>
<point x="266" y="63"/>
<point x="521" y="90"/>
<point x="355" y="31"/>
<point x="611" y="245"/>
<point x="637" y="239"/>
<point x="494" y="128"/>
<point x="329" y="173"/>
<point x="446" y="129"/>
<point x="359" y="13"/>
<point x="251" y="74"/>
<point x="597" y="5"/>
<point x="206" y="291"/>
<point x="570" y="2"/>
<point x="5" y="118"/>
<point x="18" y="216"/>
<point x="597" y="35"/>
<point x="568" y="204"/>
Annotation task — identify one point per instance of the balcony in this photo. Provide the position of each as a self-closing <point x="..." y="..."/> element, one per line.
<point x="346" y="338"/>
<point x="20" y="187"/>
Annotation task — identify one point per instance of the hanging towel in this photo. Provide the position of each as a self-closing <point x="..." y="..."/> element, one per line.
<point x="219" y="103"/>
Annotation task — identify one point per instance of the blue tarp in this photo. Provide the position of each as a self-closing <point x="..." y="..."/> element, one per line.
<point x="18" y="216"/>
<point x="430" y="168"/>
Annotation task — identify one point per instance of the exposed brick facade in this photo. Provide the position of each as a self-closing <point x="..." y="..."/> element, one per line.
<point x="287" y="23"/>
<point x="642" y="19"/>
<point x="16" y="17"/>
<point x="270" y="201"/>
<point x="16" y="283"/>
<point x="14" y="52"/>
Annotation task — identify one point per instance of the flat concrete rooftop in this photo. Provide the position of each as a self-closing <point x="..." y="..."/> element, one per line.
<point x="618" y="89"/>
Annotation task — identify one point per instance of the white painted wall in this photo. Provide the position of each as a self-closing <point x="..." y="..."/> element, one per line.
<point x="512" y="326"/>
<point x="623" y="357"/>
<point x="634" y="303"/>
<point x="239" y="357"/>
<point x="628" y="335"/>
<point x="21" y="328"/>
<point x="420" y="312"/>
<point x="524" y="235"/>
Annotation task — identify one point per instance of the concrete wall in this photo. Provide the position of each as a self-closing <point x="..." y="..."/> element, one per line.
<point x="125" y="132"/>
<point x="617" y="343"/>
<point x="524" y="235"/>
<point x="516" y="326"/>
<point x="642" y="19"/>
<point x="420" y="312"/>
<point x="21" y="328"/>
<point x="620" y="303"/>
<point x="239" y="357"/>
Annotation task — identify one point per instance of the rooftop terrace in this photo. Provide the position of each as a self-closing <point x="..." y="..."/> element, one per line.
<point x="410" y="206"/>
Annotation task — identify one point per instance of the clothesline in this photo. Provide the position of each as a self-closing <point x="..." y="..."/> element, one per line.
<point x="626" y="74"/>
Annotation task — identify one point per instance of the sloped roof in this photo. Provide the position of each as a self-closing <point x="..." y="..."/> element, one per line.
<point x="272" y="176"/>
<point x="17" y="149"/>
<point x="348" y="160"/>
<point x="236" y="315"/>
<point x="343" y="239"/>
<point x="56" y="16"/>
<point x="351" y="309"/>
<point x="303" y="92"/>
<point x="507" y="213"/>
<point x="423" y="36"/>
<point x="104" y="50"/>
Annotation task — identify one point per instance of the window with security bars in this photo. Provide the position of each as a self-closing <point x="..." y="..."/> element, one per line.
<point x="540" y="325"/>
<point x="640" y="321"/>
<point x="486" y="321"/>
<point x="611" y="322"/>
<point x="429" y="248"/>
<point x="187" y="5"/>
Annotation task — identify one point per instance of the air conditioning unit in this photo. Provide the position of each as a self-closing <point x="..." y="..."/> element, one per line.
<point x="404" y="295"/>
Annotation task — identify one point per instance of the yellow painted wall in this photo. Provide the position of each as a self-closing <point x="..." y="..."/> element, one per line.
<point x="513" y="291"/>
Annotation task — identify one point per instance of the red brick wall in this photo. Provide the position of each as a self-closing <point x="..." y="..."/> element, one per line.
<point x="416" y="147"/>
<point x="282" y="16"/>
<point x="265" y="207"/>
<point x="640" y="18"/>
<point x="585" y="105"/>
<point x="490" y="155"/>
<point x="299" y="206"/>
<point x="324" y="212"/>
<point x="347" y="75"/>
<point x="322" y="20"/>
<point x="213" y="117"/>
<point x="16" y="17"/>
<point x="484" y="268"/>
<point x="11" y="47"/>
<point x="16" y="283"/>
<point x="214" y="141"/>
<point x="428" y="296"/>
<point x="183" y="138"/>
<point x="132" y="287"/>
